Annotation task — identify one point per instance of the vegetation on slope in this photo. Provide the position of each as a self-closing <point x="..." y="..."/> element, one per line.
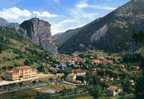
<point x="16" y="50"/>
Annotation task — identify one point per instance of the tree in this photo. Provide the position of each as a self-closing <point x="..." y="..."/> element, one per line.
<point x="140" y="88"/>
<point x="95" y="91"/>
<point x="139" y="37"/>
<point x="28" y="62"/>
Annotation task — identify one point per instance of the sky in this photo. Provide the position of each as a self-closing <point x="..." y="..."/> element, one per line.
<point x="61" y="14"/>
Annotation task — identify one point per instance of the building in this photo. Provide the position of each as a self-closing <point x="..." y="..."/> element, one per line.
<point x="76" y="76"/>
<point x="102" y="61"/>
<point x="70" y="59"/>
<point x="79" y="72"/>
<point x="22" y="72"/>
<point x="114" y="90"/>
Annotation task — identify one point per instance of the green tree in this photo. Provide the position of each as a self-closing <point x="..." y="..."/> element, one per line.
<point x="96" y="91"/>
<point x="139" y="37"/>
<point x="140" y="88"/>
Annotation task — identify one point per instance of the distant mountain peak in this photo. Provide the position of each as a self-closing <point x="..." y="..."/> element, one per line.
<point x="3" y="22"/>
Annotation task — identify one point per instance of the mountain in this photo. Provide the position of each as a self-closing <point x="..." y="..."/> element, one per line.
<point x="60" y="38"/>
<point x="3" y="22"/>
<point x="39" y="32"/>
<point x="13" y="25"/>
<point x="15" y="50"/>
<point x="111" y="33"/>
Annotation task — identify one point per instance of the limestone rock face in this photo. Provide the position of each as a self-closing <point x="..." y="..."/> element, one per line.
<point x="39" y="32"/>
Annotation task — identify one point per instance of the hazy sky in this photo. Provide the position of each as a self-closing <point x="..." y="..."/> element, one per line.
<point x="62" y="14"/>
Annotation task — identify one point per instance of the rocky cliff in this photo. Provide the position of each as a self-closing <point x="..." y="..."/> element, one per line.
<point x="113" y="32"/>
<point x="39" y="32"/>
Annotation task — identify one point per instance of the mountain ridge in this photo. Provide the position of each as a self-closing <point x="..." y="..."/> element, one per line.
<point x="3" y="22"/>
<point x="111" y="33"/>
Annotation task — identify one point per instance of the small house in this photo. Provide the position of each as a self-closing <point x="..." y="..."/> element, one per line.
<point x="114" y="90"/>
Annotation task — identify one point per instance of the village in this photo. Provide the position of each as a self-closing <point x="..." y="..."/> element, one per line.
<point x="74" y="70"/>
<point x="106" y="70"/>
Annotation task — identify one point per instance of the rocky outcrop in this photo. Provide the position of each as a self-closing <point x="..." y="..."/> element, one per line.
<point x="98" y="34"/>
<point x="39" y="32"/>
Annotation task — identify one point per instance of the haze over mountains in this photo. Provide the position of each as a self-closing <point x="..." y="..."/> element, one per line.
<point x="3" y="22"/>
